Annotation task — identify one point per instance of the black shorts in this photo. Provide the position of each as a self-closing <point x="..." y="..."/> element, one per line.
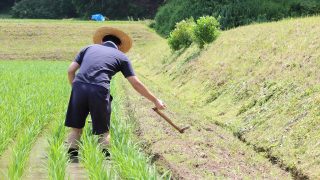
<point x="91" y="98"/>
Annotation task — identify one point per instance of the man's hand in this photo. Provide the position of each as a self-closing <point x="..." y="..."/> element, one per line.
<point x="159" y="104"/>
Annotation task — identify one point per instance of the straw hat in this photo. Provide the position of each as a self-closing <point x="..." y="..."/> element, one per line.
<point x="126" y="41"/>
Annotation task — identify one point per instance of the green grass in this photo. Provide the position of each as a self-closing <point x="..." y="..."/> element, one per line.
<point x="260" y="82"/>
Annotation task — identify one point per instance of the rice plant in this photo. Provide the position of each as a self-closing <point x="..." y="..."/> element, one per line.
<point x="93" y="159"/>
<point x="130" y="162"/>
<point x="57" y="156"/>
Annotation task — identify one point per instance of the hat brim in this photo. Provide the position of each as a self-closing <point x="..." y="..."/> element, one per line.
<point x="126" y="41"/>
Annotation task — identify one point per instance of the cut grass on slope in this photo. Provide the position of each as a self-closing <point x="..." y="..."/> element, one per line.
<point x="205" y="151"/>
<point x="259" y="81"/>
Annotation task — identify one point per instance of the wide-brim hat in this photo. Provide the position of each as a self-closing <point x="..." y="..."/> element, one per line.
<point x="126" y="41"/>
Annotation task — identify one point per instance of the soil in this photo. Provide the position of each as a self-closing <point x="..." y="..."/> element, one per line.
<point x="75" y="171"/>
<point x="204" y="151"/>
<point x="36" y="168"/>
<point x="4" y="163"/>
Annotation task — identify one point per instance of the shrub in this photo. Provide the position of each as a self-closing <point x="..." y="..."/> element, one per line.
<point x="233" y="13"/>
<point x="43" y="9"/>
<point x="181" y="36"/>
<point x="206" y="30"/>
<point x="177" y="10"/>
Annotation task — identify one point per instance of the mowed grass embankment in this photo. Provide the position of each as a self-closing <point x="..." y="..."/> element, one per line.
<point x="260" y="81"/>
<point x="33" y="101"/>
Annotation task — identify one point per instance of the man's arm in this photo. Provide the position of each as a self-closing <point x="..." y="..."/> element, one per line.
<point x="140" y="88"/>
<point x="72" y="71"/>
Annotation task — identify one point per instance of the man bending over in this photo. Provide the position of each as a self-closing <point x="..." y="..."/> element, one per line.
<point x="91" y="85"/>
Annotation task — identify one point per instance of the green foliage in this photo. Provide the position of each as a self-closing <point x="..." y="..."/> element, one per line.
<point x="177" y="10"/>
<point x="43" y="9"/>
<point x="181" y="36"/>
<point x="206" y="30"/>
<point x="5" y="5"/>
<point x="121" y="9"/>
<point x="305" y="8"/>
<point x="232" y="13"/>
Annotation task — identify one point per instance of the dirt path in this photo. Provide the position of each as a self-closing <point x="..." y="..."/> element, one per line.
<point x="204" y="151"/>
<point x="36" y="168"/>
<point x="76" y="171"/>
<point x="4" y="163"/>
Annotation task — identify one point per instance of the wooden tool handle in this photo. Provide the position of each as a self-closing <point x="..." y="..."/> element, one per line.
<point x="167" y="119"/>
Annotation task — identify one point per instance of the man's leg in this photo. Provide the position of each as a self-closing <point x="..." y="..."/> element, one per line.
<point x="100" y="111"/>
<point x="104" y="140"/>
<point x="74" y="138"/>
<point x="77" y="113"/>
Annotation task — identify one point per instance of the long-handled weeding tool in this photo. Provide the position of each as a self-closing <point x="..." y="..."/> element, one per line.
<point x="169" y="121"/>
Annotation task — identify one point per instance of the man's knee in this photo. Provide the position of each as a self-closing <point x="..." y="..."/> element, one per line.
<point x="76" y="131"/>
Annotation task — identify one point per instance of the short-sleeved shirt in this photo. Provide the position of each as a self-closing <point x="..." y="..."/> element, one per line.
<point x="98" y="63"/>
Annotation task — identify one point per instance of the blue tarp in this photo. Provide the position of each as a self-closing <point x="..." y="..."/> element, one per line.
<point x="98" y="17"/>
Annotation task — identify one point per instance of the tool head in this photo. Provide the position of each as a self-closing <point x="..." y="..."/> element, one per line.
<point x="183" y="129"/>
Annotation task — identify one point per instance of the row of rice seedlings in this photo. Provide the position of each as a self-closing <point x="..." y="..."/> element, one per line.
<point x="57" y="153"/>
<point x="32" y="92"/>
<point x="93" y="159"/>
<point x="22" y="149"/>
<point x="14" y="103"/>
<point x="29" y="135"/>
<point x="131" y="162"/>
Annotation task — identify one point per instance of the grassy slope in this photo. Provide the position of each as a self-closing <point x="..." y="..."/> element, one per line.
<point x="260" y="81"/>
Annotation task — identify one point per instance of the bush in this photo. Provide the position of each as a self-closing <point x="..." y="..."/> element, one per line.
<point x="305" y="8"/>
<point x="233" y="13"/>
<point x="43" y="9"/>
<point x="206" y="30"/>
<point x="177" y="10"/>
<point x="181" y="36"/>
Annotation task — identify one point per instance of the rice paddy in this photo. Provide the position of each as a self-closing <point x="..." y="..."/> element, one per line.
<point x="33" y="104"/>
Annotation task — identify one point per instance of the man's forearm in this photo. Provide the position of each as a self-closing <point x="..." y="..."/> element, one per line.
<point x="71" y="77"/>
<point x="144" y="92"/>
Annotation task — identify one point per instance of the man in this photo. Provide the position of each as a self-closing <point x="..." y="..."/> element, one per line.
<point x="91" y="85"/>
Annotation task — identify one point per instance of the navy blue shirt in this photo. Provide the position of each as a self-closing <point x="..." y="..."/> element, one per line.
<point x="98" y="63"/>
